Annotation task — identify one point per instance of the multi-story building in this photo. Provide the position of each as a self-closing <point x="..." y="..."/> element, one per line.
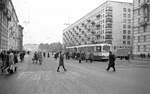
<point x="12" y="28"/>
<point x="141" y="27"/>
<point x="111" y="23"/>
<point x="9" y="28"/>
<point x="20" y="38"/>
<point x="4" y="18"/>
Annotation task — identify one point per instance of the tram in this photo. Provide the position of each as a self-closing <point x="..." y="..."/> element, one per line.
<point x="99" y="51"/>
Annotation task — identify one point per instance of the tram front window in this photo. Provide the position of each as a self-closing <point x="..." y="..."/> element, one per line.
<point x="106" y="48"/>
<point x="98" y="49"/>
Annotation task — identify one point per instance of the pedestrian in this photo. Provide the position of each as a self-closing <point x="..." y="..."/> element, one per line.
<point x="61" y="62"/>
<point x="48" y="55"/>
<point x="91" y="56"/>
<point x="111" y="62"/>
<point x="44" y="54"/>
<point x="15" y="58"/>
<point x="80" y="57"/>
<point x="40" y="58"/>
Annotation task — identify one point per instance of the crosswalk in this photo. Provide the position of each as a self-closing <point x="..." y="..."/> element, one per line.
<point x="48" y="75"/>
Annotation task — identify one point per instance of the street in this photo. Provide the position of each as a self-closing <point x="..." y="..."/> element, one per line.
<point x="84" y="78"/>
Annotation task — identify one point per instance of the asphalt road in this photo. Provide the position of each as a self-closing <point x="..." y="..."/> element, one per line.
<point x="84" y="78"/>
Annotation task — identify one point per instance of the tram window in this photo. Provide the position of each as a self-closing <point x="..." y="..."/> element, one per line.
<point x="106" y="48"/>
<point x="98" y="49"/>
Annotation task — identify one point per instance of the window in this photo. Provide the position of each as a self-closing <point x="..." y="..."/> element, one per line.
<point x="128" y="42"/>
<point x="124" y="20"/>
<point x="124" y="26"/>
<point x="124" y="37"/>
<point x="138" y="38"/>
<point x="98" y="16"/>
<point x="109" y="26"/>
<point x="106" y="48"/>
<point x="144" y="48"/>
<point x="124" y="15"/>
<point x="129" y="32"/>
<point x="129" y="26"/>
<point x="138" y="20"/>
<point x="129" y="20"/>
<point x="138" y="11"/>
<point x="129" y="10"/>
<point x="129" y="16"/>
<point x="108" y="37"/>
<point x="144" y="38"/>
<point x="124" y="9"/>
<point x="139" y="1"/>
<point x="138" y="48"/>
<point x="124" y="31"/>
<point x="98" y="48"/>
<point x="129" y="37"/>
<point x="82" y="32"/>
<point x="124" y="42"/>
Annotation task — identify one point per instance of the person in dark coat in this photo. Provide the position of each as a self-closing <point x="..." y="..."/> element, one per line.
<point x="61" y="62"/>
<point x="91" y="56"/>
<point x="15" y="58"/>
<point x="111" y="62"/>
<point x="80" y="57"/>
<point x="48" y="55"/>
<point x="56" y="55"/>
<point x="44" y="54"/>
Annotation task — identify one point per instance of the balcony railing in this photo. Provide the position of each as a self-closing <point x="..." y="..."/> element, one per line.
<point x="2" y="5"/>
<point x="144" y="21"/>
<point x="145" y="4"/>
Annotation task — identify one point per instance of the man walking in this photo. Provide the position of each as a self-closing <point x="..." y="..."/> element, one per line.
<point x="61" y="62"/>
<point x="111" y="62"/>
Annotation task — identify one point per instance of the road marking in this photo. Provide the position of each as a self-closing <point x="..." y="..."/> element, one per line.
<point x="40" y="75"/>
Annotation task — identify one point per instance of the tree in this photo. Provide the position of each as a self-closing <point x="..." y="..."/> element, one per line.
<point x="53" y="47"/>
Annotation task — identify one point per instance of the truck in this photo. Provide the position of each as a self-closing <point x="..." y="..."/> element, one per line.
<point x="122" y="53"/>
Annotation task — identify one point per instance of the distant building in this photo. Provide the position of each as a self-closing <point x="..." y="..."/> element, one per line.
<point x="141" y="18"/>
<point x="31" y="47"/>
<point x="111" y="23"/>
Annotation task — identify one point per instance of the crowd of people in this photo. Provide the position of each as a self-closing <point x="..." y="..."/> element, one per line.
<point x="9" y="59"/>
<point x="38" y="57"/>
<point x="80" y="56"/>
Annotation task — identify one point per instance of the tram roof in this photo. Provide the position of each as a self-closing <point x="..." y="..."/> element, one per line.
<point x="89" y="45"/>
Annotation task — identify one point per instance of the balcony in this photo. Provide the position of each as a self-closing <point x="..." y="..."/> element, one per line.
<point x="2" y="5"/>
<point x="144" y="22"/>
<point x="145" y="4"/>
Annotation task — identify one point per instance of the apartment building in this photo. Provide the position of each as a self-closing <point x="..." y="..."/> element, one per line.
<point x="4" y="18"/>
<point x="111" y="23"/>
<point x="141" y="27"/>
<point x="12" y="28"/>
<point x="9" y="29"/>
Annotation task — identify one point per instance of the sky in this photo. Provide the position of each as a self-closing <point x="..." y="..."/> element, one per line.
<point x="44" y="20"/>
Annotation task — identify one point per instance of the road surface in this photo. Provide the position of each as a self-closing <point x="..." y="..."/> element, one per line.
<point x="84" y="78"/>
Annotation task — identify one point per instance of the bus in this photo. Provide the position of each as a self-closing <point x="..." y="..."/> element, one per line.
<point x="99" y="51"/>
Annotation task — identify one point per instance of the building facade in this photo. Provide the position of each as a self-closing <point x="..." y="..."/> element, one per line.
<point x="9" y="29"/>
<point x="141" y="27"/>
<point x="4" y="19"/>
<point x="12" y="28"/>
<point x="111" y="23"/>
<point x="20" y="38"/>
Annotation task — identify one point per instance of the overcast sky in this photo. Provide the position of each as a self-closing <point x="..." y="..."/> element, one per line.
<point x="44" y="20"/>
